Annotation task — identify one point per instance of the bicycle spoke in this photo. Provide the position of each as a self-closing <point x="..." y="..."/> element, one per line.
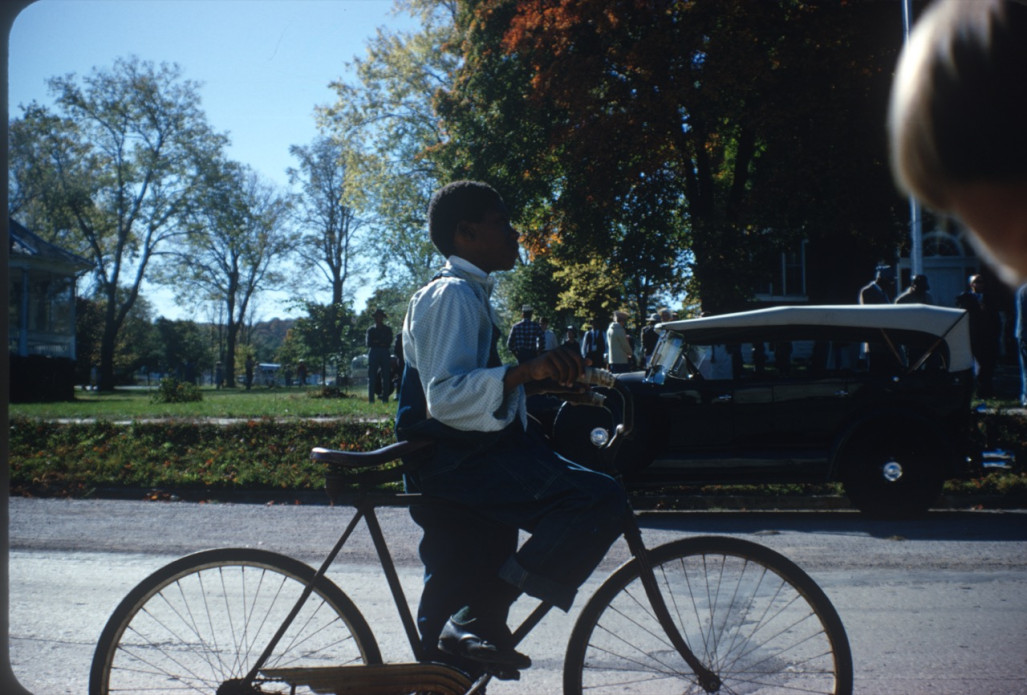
<point x="746" y="620"/>
<point x="206" y="623"/>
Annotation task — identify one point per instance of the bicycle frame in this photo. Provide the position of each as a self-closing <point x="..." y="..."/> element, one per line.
<point x="365" y="506"/>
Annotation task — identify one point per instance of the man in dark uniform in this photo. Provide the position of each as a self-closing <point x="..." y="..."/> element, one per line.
<point x="878" y="356"/>
<point x="379" y="359"/>
<point x="881" y="289"/>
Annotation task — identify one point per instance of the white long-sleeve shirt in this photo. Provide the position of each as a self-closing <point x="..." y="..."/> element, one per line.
<point x="447" y="338"/>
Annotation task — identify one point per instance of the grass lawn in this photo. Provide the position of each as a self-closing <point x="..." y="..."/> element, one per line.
<point x="276" y="403"/>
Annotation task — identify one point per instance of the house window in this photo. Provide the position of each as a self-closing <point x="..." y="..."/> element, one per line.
<point x="50" y="304"/>
<point x="939" y="244"/>
<point x="786" y="277"/>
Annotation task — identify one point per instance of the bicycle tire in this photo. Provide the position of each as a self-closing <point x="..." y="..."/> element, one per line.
<point x="757" y="620"/>
<point x="204" y="619"/>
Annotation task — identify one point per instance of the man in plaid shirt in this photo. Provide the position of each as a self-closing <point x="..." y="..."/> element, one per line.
<point x="526" y="337"/>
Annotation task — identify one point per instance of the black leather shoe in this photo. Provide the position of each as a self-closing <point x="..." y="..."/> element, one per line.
<point x="463" y="639"/>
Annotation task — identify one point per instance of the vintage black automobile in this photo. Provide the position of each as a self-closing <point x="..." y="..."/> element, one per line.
<point x="875" y="397"/>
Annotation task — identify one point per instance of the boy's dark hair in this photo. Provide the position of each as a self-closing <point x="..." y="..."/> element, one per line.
<point x="457" y="202"/>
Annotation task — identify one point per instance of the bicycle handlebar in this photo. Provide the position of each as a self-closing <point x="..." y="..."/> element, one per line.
<point x="594" y="376"/>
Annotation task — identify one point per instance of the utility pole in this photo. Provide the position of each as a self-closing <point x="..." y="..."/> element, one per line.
<point x="916" y="251"/>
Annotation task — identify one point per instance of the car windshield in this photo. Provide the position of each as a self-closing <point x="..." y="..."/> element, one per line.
<point x="666" y="356"/>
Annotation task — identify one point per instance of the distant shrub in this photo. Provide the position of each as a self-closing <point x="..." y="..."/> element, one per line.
<point x="328" y="392"/>
<point x="171" y="390"/>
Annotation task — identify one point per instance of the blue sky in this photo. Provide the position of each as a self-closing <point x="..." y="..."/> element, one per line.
<point x="263" y="65"/>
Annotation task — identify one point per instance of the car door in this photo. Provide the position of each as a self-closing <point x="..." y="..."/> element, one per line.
<point x="697" y="403"/>
<point x="810" y="404"/>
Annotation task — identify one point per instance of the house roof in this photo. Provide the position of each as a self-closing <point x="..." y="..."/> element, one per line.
<point x="26" y="244"/>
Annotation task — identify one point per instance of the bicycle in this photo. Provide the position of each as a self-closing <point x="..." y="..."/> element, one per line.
<point x="695" y="615"/>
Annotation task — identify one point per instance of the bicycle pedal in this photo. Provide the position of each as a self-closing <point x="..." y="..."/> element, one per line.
<point x="503" y="673"/>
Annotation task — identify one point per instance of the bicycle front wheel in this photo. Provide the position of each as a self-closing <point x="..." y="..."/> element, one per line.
<point x="752" y="616"/>
<point x="203" y="621"/>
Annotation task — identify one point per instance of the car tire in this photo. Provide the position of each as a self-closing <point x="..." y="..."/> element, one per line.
<point x="893" y="473"/>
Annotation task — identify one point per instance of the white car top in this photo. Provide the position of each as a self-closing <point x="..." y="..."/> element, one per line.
<point x="950" y="325"/>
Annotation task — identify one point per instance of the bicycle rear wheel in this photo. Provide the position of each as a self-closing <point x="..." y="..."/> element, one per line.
<point x="752" y="616"/>
<point x="205" y="619"/>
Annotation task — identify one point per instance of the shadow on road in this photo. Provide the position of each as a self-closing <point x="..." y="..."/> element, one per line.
<point x="941" y="525"/>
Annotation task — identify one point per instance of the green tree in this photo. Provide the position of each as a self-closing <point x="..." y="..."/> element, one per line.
<point x="88" y="320"/>
<point x="291" y="352"/>
<point x="710" y="133"/>
<point x="266" y="337"/>
<point x="185" y="349"/>
<point x="328" y="241"/>
<point x="594" y="288"/>
<point x="239" y="237"/>
<point x="328" y="335"/>
<point x="389" y="124"/>
<point x="111" y="173"/>
<point x="536" y="285"/>
<point x="138" y="345"/>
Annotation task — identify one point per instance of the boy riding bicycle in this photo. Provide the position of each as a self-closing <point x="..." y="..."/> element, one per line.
<point x="499" y="475"/>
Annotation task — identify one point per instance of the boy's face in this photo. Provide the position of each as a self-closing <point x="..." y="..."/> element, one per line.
<point x="490" y="244"/>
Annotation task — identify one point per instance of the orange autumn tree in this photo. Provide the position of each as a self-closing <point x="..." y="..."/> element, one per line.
<point x="681" y="139"/>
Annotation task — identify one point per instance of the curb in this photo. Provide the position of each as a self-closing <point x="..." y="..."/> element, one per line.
<point x="808" y="503"/>
<point x="640" y="502"/>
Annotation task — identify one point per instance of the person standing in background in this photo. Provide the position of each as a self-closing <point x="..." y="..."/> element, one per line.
<point x="1021" y="339"/>
<point x="650" y="336"/>
<point x="880" y="290"/>
<point x="549" y="341"/>
<point x="918" y="292"/>
<point x="619" y="354"/>
<point x="593" y="345"/>
<point x="379" y="360"/>
<point x="526" y="337"/>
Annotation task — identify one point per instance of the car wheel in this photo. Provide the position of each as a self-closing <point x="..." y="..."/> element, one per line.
<point x="893" y="475"/>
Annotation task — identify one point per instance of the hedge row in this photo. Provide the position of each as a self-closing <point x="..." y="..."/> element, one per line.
<point x="74" y="459"/>
<point x="77" y="459"/>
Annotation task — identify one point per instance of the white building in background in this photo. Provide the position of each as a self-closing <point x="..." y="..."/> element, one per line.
<point x="949" y="260"/>
<point x="41" y="311"/>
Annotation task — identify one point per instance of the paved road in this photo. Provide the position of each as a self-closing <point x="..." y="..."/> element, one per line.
<point x="935" y="606"/>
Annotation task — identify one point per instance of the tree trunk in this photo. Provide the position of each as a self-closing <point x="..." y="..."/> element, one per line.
<point x="108" y="346"/>
<point x="105" y="380"/>
<point x="230" y="356"/>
